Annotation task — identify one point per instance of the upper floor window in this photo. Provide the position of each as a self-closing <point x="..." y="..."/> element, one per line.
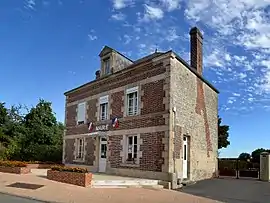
<point x="107" y="66"/>
<point x="103" y="101"/>
<point x="132" y="101"/>
<point x="81" y="113"/>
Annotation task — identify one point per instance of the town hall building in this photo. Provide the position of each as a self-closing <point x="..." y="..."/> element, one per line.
<point x="151" y="118"/>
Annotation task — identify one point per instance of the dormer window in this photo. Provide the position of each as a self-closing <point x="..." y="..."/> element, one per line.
<point x="107" y="68"/>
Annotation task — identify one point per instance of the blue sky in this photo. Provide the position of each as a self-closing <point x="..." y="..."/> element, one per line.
<point x="50" y="46"/>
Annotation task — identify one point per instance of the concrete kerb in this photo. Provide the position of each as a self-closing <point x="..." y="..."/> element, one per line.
<point x="28" y="197"/>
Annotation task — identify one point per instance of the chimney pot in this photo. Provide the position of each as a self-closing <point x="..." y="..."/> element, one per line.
<point x="97" y="74"/>
<point x="196" y="49"/>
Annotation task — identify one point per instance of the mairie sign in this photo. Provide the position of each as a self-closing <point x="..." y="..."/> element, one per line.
<point x="103" y="127"/>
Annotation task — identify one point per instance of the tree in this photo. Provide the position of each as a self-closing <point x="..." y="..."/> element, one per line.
<point x="11" y="128"/>
<point x="256" y="154"/>
<point x="244" y="156"/>
<point x="3" y="113"/>
<point x="223" y="135"/>
<point x="35" y="135"/>
<point x="44" y="134"/>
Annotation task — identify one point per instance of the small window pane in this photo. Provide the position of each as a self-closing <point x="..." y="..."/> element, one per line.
<point x="135" y="151"/>
<point x="129" y="148"/>
<point x="135" y="139"/>
<point x="130" y="140"/>
<point x="103" y="151"/>
<point x="185" y="152"/>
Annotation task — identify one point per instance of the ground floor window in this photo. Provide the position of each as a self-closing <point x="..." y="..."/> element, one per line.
<point x="79" y="148"/>
<point x="132" y="149"/>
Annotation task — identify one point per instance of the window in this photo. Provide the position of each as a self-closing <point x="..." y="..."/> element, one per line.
<point x="103" y="101"/>
<point x="79" y="149"/>
<point x="81" y="114"/>
<point x="132" y="101"/>
<point x="103" y="111"/>
<point x="132" y="149"/>
<point x="107" y="66"/>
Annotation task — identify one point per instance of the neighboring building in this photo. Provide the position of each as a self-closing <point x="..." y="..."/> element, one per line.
<point x="149" y="118"/>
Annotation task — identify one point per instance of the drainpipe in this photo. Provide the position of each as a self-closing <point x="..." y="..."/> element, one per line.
<point x="174" y="178"/>
<point x="174" y="164"/>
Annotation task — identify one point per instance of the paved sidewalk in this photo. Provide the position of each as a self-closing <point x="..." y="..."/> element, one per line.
<point x="59" y="192"/>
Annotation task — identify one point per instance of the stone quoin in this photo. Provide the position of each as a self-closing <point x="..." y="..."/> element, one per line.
<point x="156" y="117"/>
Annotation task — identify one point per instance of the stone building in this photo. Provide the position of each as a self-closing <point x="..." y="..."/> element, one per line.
<point x="155" y="117"/>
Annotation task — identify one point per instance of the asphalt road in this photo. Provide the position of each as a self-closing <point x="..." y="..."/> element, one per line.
<point x="12" y="199"/>
<point x="231" y="190"/>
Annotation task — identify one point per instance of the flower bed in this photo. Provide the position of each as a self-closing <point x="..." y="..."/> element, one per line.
<point x="75" y="176"/>
<point x="14" y="167"/>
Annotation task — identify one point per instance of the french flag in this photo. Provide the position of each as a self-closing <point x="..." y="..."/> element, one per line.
<point x="90" y="127"/>
<point x="115" y="123"/>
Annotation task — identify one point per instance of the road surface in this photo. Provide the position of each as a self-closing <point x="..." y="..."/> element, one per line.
<point x="12" y="199"/>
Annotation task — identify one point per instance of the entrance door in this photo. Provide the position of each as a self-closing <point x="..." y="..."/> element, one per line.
<point x="102" y="154"/>
<point x="185" y="157"/>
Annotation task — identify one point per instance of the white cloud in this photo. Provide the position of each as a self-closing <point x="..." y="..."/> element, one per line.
<point x="236" y="94"/>
<point x="172" y="35"/>
<point x="120" y="4"/>
<point x="171" y="5"/>
<point x="118" y="16"/>
<point x="127" y="39"/>
<point x="92" y="36"/>
<point x="152" y="13"/>
<point x="30" y="4"/>
<point x="227" y="57"/>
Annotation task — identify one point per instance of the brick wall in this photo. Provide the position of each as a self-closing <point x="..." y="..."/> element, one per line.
<point x="69" y="150"/>
<point x="152" y="98"/>
<point x="90" y="151"/>
<point x="115" y="147"/>
<point x="91" y="110"/>
<point x="151" y="148"/>
<point x="116" y="104"/>
<point x="125" y="123"/>
<point x="71" y="115"/>
<point x="130" y="75"/>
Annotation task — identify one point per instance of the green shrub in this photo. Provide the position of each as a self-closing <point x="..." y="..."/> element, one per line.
<point x="13" y="164"/>
<point x="69" y="169"/>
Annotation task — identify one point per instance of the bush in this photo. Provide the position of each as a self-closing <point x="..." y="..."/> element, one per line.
<point x="42" y="162"/>
<point x="13" y="164"/>
<point x="69" y="169"/>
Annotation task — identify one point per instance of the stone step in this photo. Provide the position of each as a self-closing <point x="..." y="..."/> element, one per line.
<point x="129" y="186"/>
<point x="124" y="182"/>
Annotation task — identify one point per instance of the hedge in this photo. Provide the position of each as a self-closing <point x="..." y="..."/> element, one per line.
<point x="12" y="164"/>
<point x="69" y="169"/>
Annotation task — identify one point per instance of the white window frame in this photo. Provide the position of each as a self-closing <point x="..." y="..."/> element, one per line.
<point x="135" y="102"/>
<point x="103" y="101"/>
<point x="80" y="142"/>
<point x="81" y="115"/>
<point x="134" y="160"/>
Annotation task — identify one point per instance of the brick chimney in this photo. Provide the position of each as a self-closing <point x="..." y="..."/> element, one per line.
<point x="196" y="49"/>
